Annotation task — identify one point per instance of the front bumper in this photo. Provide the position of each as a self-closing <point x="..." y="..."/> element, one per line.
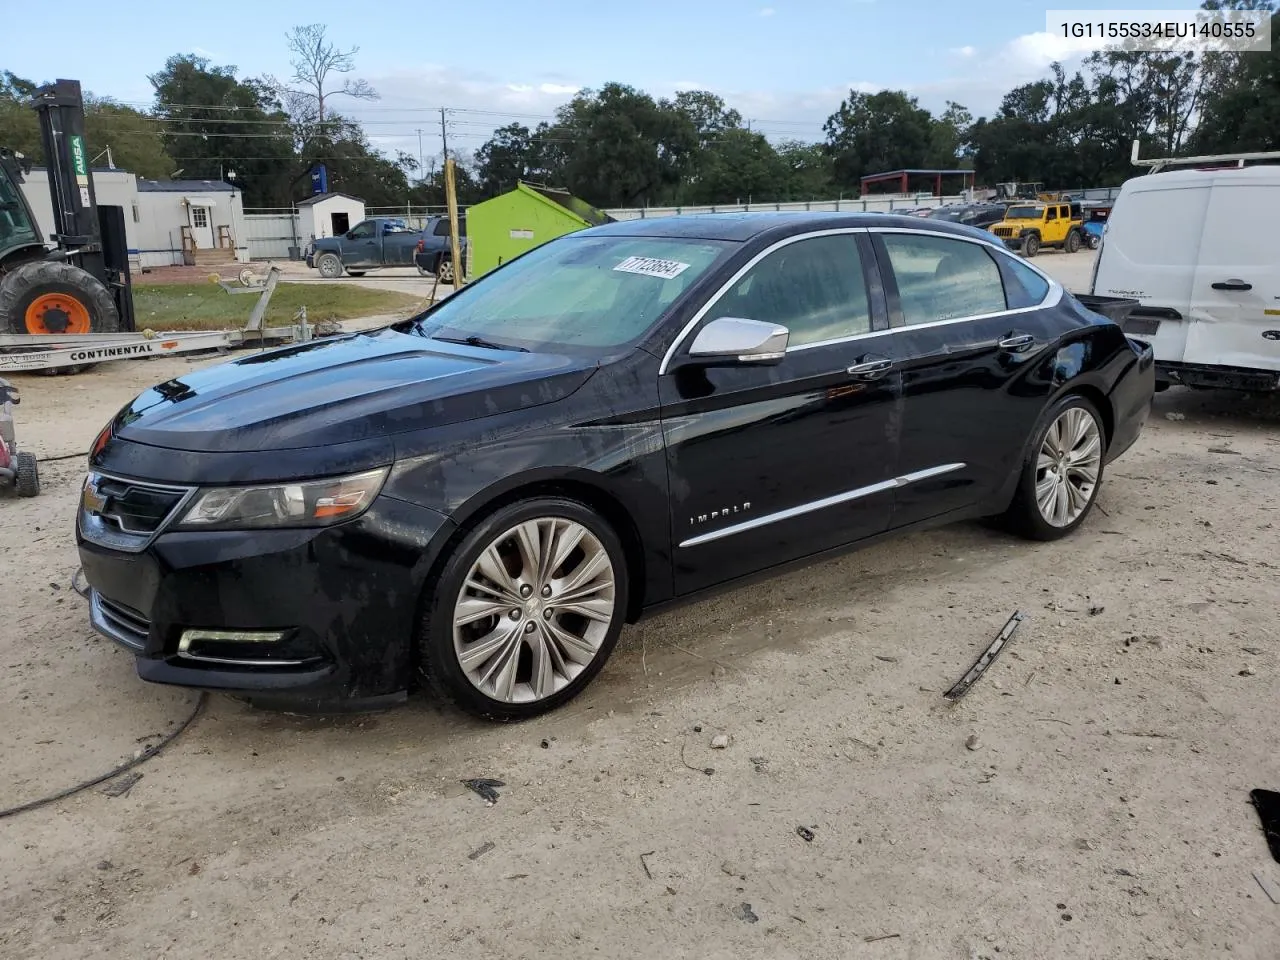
<point x="341" y="602"/>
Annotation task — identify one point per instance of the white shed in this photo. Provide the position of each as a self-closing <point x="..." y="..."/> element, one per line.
<point x="191" y="221"/>
<point x="111" y="188"/>
<point x="328" y="215"/>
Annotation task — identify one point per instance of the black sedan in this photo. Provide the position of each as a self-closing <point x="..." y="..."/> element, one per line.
<point x="625" y="417"/>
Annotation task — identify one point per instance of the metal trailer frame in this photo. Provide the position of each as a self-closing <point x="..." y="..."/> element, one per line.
<point x="27" y="353"/>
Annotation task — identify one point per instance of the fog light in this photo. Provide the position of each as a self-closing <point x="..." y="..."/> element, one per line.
<point x="241" y="648"/>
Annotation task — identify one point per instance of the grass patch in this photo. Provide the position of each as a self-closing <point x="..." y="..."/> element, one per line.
<point x="206" y="306"/>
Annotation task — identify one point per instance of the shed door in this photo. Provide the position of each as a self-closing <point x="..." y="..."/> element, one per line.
<point x="200" y="216"/>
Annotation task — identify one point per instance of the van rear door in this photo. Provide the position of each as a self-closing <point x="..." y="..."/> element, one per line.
<point x="1235" y="303"/>
<point x="1149" y="253"/>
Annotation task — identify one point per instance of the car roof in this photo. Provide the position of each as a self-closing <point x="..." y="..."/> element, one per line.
<point x="741" y="227"/>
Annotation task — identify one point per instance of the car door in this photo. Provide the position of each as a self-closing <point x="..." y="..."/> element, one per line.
<point x="960" y="343"/>
<point x="360" y="245"/>
<point x="772" y="463"/>
<point x="1235" y="296"/>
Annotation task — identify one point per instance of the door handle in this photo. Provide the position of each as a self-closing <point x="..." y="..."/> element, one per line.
<point x="1018" y="342"/>
<point x="1232" y="285"/>
<point x="871" y="369"/>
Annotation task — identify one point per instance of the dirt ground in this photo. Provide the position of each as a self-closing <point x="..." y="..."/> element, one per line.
<point x="1101" y="812"/>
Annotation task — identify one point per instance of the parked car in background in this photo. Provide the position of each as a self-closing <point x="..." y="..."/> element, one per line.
<point x="370" y="244"/>
<point x="1095" y="222"/>
<point x="434" y="253"/>
<point x="626" y="416"/>
<point x="970" y="214"/>
<point x="1029" y="227"/>
<point x="1200" y="251"/>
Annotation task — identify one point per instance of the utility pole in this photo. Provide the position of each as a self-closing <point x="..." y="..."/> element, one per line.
<point x="422" y="167"/>
<point x="444" y="134"/>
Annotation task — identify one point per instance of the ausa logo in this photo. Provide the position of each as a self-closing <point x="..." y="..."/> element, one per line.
<point x="720" y="514"/>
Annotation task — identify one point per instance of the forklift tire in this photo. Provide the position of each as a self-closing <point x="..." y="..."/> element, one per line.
<point x="27" y="482"/>
<point x="45" y="297"/>
<point x="1030" y="245"/>
<point x="1073" y="242"/>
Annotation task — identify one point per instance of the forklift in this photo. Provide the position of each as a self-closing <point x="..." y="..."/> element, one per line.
<point x="82" y="286"/>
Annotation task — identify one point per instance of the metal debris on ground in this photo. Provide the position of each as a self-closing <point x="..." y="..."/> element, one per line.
<point x="805" y="834"/>
<point x="707" y="770"/>
<point x="1267" y="803"/>
<point x="122" y="785"/>
<point x="644" y="863"/>
<point x="481" y="850"/>
<point x="1270" y="889"/>
<point x="887" y="936"/>
<point x="485" y="788"/>
<point x="988" y="657"/>
<point x="744" y="912"/>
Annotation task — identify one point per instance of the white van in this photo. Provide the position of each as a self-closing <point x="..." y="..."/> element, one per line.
<point x="1200" y="249"/>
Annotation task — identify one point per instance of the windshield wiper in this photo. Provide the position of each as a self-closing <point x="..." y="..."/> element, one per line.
<point x="474" y="341"/>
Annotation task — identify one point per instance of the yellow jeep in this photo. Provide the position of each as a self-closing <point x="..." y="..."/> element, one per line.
<point x="1029" y="226"/>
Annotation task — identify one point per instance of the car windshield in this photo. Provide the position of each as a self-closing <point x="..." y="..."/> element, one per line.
<point x="578" y="294"/>
<point x="1024" y="213"/>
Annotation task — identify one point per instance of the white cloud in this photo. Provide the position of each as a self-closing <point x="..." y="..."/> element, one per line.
<point x="1036" y="51"/>
<point x="767" y="11"/>
<point x="965" y="51"/>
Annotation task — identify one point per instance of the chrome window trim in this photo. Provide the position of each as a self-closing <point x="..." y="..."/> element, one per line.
<point x="839" y="498"/>
<point x="741" y="272"/>
<point x="1051" y="298"/>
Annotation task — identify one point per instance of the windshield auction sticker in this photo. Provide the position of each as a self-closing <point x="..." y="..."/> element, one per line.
<point x="1168" y="31"/>
<point x="651" y="267"/>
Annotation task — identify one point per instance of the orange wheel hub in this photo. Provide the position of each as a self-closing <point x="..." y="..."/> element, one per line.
<point x="53" y="313"/>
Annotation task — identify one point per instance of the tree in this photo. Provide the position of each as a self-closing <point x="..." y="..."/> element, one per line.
<point x="315" y="58"/>
<point x="1241" y="107"/>
<point x="620" y="147"/>
<point x="133" y="136"/>
<point x="215" y="123"/>
<point x="807" y="169"/>
<point x="872" y="133"/>
<point x="515" y="153"/>
<point x="949" y="140"/>
<point x="739" y="167"/>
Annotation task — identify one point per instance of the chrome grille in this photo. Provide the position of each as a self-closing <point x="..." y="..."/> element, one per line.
<point x="121" y="623"/>
<point x="126" y="514"/>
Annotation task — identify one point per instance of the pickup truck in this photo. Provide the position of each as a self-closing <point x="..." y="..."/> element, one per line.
<point x="435" y="250"/>
<point x="376" y="242"/>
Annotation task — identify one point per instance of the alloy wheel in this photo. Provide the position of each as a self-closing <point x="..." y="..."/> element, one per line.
<point x="1067" y="467"/>
<point x="534" y="610"/>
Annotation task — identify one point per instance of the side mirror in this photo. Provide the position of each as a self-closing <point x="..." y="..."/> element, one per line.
<point x="733" y="341"/>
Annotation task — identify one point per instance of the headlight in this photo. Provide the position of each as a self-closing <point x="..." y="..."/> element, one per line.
<point x="313" y="503"/>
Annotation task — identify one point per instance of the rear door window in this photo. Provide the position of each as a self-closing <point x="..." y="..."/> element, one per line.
<point x="943" y="279"/>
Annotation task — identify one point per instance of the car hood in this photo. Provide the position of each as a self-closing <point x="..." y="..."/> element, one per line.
<point x="327" y="243"/>
<point x="342" y="390"/>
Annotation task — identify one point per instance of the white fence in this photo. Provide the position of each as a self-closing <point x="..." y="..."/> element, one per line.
<point x="270" y="233"/>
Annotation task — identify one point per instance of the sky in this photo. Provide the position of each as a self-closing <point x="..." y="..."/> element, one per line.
<point x="784" y="64"/>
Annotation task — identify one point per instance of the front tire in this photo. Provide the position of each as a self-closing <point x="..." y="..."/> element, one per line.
<point x="1062" y="473"/>
<point x="1030" y="245"/>
<point x="526" y="611"/>
<point x="329" y="265"/>
<point x="52" y="297"/>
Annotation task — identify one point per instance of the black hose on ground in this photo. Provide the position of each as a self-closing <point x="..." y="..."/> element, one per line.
<point x="142" y="758"/>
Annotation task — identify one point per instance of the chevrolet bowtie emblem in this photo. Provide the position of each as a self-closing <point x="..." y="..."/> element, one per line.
<point x="92" y="500"/>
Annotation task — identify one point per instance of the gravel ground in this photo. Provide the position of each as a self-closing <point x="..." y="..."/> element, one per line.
<point x="1088" y="799"/>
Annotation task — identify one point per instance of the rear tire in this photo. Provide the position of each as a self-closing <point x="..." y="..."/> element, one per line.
<point x="1073" y="242"/>
<point x="506" y="630"/>
<point x="444" y="270"/>
<point x="1062" y="473"/>
<point x="27" y="481"/>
